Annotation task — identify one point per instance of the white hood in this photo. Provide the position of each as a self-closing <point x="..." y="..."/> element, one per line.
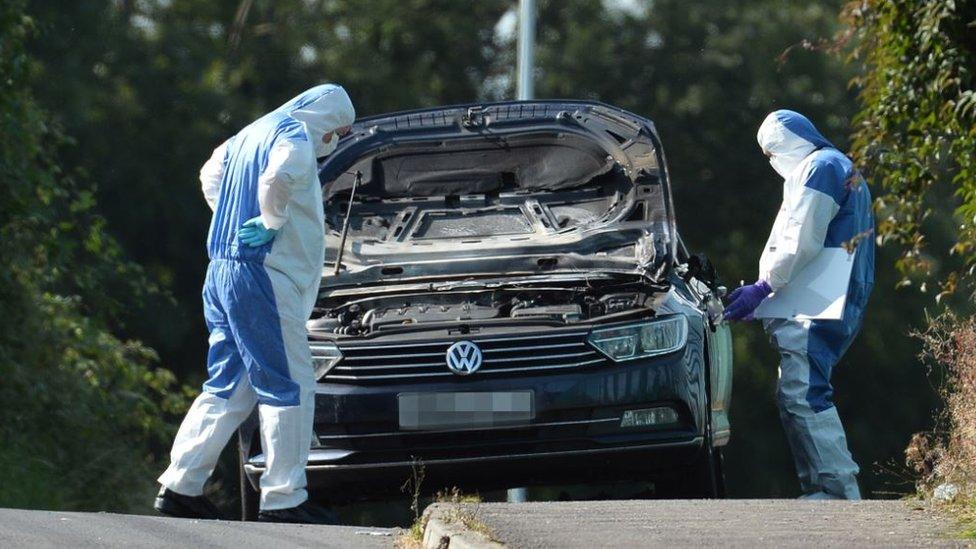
<point x="808" y="207"/>
<point x="321" y="110"/>
<point x="786" y="149"/>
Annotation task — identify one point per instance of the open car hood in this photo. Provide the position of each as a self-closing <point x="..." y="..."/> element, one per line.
<point x="517" y="188"/>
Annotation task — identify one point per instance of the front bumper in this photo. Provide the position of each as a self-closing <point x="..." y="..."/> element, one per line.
<point x="473" y="474"/>
<point x="575" y="434"/>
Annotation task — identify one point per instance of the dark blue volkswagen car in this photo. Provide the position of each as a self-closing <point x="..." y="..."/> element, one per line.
<point x="506" y="302"/>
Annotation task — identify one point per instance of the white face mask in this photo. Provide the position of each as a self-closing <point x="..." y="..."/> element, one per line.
<point x="325" y="149"/>
<point x="783" y="166"/>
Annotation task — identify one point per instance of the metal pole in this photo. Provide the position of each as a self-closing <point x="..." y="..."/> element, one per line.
<point x="526" y="62"/>
<point x="526" y="49"/>
<point x="517" y="495"/>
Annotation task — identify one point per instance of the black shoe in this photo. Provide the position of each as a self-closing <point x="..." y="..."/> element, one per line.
<point x="306" y="513"/>
<point x="170" y="503"/>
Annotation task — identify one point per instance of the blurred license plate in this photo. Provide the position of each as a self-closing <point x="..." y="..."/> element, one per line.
<point x="459" y="410"/>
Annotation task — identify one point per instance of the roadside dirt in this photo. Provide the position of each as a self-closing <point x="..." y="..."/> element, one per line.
<point x="726" y="523"/>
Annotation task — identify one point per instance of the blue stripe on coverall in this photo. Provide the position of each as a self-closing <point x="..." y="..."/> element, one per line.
<point x="833" y="174"/>
<point x="239" y="299"/>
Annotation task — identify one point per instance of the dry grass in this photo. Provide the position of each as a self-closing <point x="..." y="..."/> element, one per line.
<point x="413" y="537"/>
<point x="947" y="455"/>
<point x="464" y="509"/>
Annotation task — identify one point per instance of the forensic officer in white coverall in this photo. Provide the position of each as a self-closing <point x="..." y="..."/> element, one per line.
<point x="267" y="248"/>
<point x="826" y="204"/>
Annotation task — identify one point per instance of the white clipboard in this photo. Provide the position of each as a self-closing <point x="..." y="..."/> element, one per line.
<point x="819" y="291"/>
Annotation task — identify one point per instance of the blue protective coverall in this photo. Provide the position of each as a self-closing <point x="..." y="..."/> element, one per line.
<point x="257" y="299"/>
<point x="826" y="203"/>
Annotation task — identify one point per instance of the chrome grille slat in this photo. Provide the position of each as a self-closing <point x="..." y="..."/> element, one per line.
<point x="392" y="366"/>
<point x="534" y="347"/>
<point x="383" y="357"/>
<point x="536" y="357"/>
<point x="392" y="362"/>
<point x="391" y="376"/>
<point x="355" y="348"/>
<point x="447" y="343"/>
<point x="512" y="338"/>
<point x="552" y="367"/>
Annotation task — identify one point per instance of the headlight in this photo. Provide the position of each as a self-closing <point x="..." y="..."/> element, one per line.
<point x="324" y="357"/>
<point x="656" y="337"/>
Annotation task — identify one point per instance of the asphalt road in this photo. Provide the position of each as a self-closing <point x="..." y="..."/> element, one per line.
<point x="727" y="523"/>
<point x="19" y="528"/>
<point x="617" y="524"/>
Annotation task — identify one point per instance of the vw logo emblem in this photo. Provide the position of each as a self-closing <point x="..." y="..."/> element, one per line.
<point x="463" y="358"/>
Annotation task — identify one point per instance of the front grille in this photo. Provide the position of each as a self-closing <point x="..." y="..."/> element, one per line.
<point x="510" y="354"/>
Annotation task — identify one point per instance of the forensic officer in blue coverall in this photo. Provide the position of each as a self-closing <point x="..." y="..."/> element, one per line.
<point x="267" y="249"/>
<point x="826" y="204"/>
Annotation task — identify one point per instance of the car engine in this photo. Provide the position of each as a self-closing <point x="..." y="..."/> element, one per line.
<point x="555" y="306"/>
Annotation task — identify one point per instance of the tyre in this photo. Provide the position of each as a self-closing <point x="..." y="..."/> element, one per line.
<point x="718" y="465"/>
<point x="704" y="480"/>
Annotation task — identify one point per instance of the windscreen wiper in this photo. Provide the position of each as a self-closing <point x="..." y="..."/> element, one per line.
<point x="345" y="223"/>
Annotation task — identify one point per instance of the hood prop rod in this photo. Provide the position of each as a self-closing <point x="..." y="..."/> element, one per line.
<point x="345" y="222"/>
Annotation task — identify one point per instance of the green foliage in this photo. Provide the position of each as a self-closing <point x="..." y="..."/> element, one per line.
<point x="83" y="411"/>
<point x="915" y="134"/>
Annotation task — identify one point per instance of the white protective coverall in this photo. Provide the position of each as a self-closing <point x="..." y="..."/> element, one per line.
<point x="826" y="203"/>
<point x="257" y="299"/>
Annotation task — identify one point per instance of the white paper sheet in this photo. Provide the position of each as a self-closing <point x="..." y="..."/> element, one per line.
<point x="819" y="291"/>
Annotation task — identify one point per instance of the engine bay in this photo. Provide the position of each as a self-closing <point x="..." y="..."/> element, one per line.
<point x="544" y="304"/>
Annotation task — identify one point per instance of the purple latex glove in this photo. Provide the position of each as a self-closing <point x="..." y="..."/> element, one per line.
<point x="743" y="301"/>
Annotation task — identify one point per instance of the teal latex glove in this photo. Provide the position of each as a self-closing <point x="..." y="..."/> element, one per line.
<point x="254" y="233"/>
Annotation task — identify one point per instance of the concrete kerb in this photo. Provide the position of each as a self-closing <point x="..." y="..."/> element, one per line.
<point x="445" y="529"/>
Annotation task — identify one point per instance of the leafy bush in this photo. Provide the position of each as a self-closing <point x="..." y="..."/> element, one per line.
<point x="916" y="131"/>
<point x="83" y="412"/>
<point x="915" y="135"/>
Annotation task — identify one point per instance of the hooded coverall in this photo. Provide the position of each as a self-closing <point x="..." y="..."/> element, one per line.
<point x="257" y="299"/>
<point x="826" y="204"/>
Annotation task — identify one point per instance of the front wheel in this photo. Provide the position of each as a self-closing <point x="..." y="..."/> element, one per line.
<point x="718" y="473"/>
<point x="705" y="480"/>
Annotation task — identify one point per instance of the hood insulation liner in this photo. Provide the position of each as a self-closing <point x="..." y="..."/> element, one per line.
<point x="479" y="165"/>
